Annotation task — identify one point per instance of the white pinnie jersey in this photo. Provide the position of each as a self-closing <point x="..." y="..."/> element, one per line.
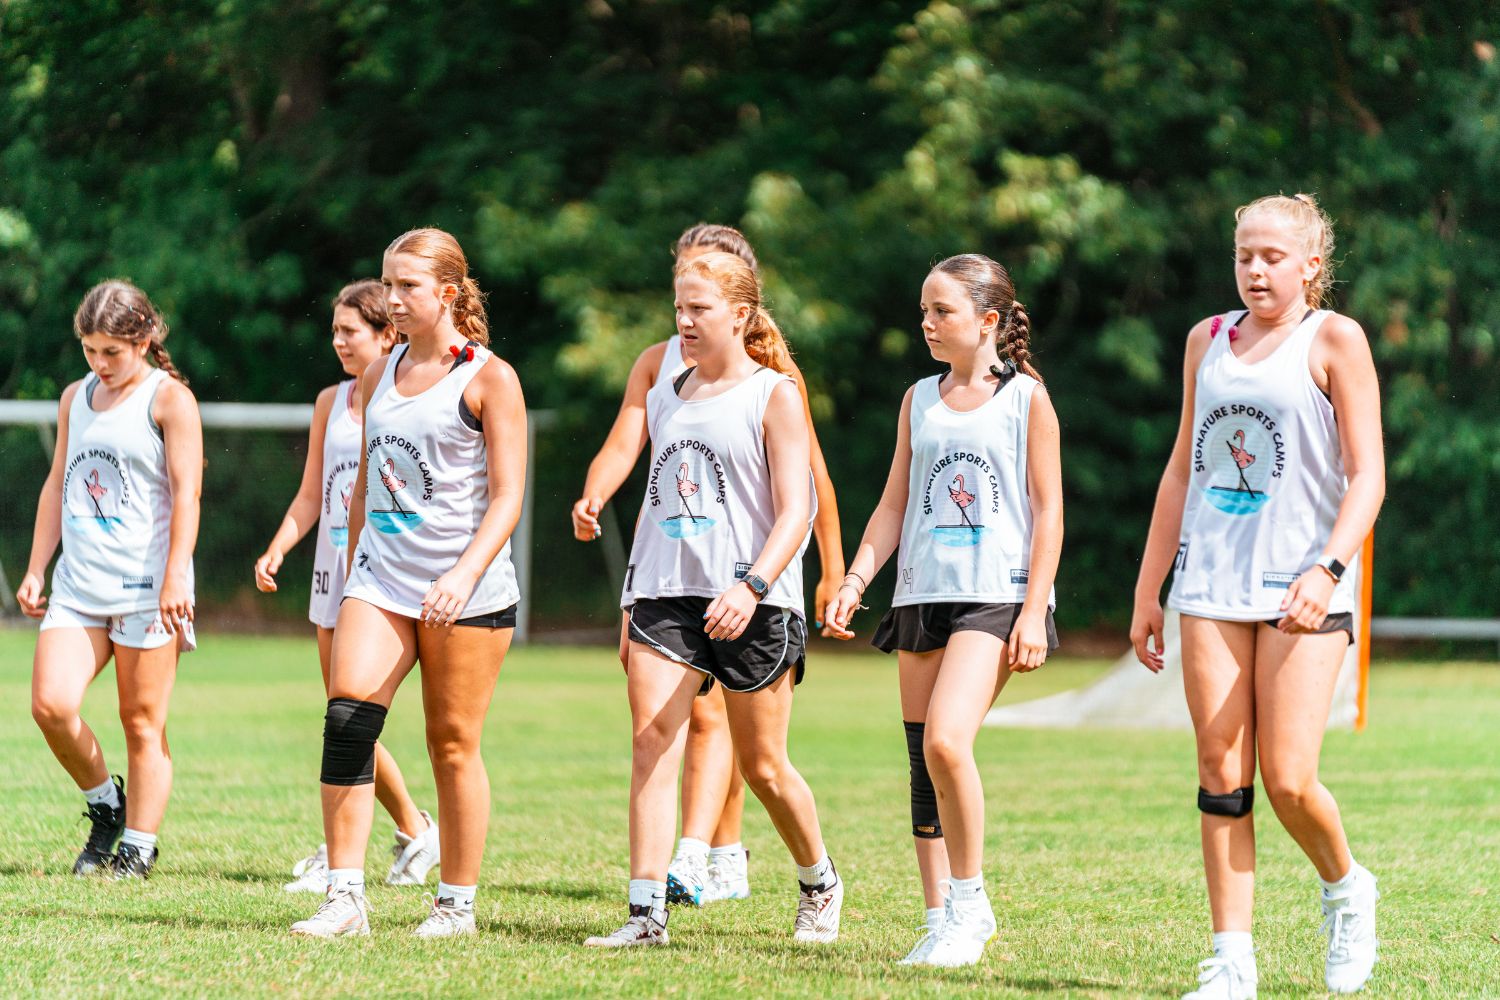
<point x="426" y="490"/>
<point x="1266" y="484"/>
<point x="966" y="536"/>
<point x="708" y="508"/>
<point x="340" y="469"/>
<point x="117" y="504"/>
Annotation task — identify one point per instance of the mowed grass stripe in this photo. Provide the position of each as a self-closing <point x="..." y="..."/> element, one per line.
<point x="1092" y="849"/>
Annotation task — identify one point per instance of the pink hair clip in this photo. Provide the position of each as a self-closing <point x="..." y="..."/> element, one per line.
<point x="1213" y="329"/>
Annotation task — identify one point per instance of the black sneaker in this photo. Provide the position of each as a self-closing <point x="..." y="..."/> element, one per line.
<point x="107" y="823"/>
<point x="132" y="862"/>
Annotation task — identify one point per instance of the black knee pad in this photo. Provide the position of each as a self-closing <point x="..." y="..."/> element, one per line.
<point x="350" y="730"/>
<point x="1234" y="804"/>
<point x="924" y="814"/>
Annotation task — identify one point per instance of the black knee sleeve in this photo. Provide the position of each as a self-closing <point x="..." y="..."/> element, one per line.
<point x="924" y="814"/>
<point x="350" y="730"/>
<point x="1234" y="804"/>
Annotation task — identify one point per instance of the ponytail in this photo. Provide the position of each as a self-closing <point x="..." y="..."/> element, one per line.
<point x="765" y="344"/>
<point x="468" y="312"/>
<point x="1016" y="346"/>
<point x="163" y="360"/>
<point x="449" y="266"/>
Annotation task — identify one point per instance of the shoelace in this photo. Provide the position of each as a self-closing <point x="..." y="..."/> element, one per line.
<point x="1212" y="968"/>
<point x="101" y="817"/>
<point x="334" y="901"/>
<point x="443" y="909"/>
<point x="309" y="863"/>
<point x="808" y="910"/>
<point x="635" y="928"/>
<point x="1341" y="926"/>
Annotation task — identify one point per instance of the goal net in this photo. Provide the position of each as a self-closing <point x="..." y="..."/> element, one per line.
<point x="1131" y="697"/>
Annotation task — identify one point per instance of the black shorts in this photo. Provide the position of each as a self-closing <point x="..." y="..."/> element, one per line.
<point x="921" y="628"/>
<point x="1341" y="622"/>
<point x="774" y="641"/>
<point x="504" y="618"/>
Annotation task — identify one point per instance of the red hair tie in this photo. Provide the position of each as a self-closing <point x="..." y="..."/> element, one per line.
<point x="462" y="354"/>
<point x="1213" y="329"/>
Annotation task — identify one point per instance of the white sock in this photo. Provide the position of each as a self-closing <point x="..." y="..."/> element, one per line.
<point x="1343" y="885"/>
<point x="107" y="793"/>
<point x="820" y="873"/>
<point x="692" y="847"/>
<point x="346" y="880"/>
<point x="935" y="917"/>
<point x="1233" y="944"/>
<point x="965" y="890"/>
<point x="135" y="838"/>
<point x="460" y="896"/>
<point x="732" y="851"/>
<point x="645" y="892"/>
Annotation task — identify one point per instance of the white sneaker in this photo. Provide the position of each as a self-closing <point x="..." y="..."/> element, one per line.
<point x="687" y="876"/>
<point x="640" y="930"/>
<point x="415" y="856"/>
<point x="445" y="920"/>
<point x="728" y="878"/>
<point x="311" y="872"/>
<point x="1349" y="922"/>
<point x="923" y="948"/>
<point x="818" y="910"/>
<point x="1226" y="979"/>
<point x="343" y="914"/>
<point x="967" y="928"/>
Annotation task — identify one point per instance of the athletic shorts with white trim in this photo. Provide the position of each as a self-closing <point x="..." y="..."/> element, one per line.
<point x="134" y="630"/>
<point x="921" y="628"/>
<point x="774" y="641"/>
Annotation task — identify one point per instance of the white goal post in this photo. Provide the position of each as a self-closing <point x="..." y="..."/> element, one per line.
<point x="42" y="414"/>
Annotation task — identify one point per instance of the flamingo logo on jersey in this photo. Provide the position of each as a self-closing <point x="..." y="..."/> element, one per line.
<point x="971" y="489"/>
<point x="338" y="490"/>
<point x="1241" y="449"/>
<point x="392" y="507"/>
<point x="685" y="489"/>
<point x="687" y="521"/>
<point x="93" y="492"/>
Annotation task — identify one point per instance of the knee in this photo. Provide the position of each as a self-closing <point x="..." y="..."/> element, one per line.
<point x="52" y="716"/>
<point x="1289" y="793"/>
<point x="652" y="740"/>
<point x="1220" y="767"/>
<point x="450" y="745"/>
<point x="142" y="725"/>
<point x="765" y="774"/>
<point x="944" y="754"/>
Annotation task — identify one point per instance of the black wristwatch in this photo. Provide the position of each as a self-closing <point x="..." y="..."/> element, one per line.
<point x="757" y="586"/>
<point x="1333" y="566"/>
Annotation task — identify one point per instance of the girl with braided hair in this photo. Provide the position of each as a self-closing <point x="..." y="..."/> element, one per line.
<point x="974" y="501"/>
<point x="122" y="498"/>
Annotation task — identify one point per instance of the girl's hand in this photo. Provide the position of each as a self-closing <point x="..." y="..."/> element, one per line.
<point x="447" y="598"/>
<point x="33" y="602"/>
<point x="176" y="603"/>
<point x="1306" y="603"/>
<point x="729" y="613"/>
<point x="1147" y="623"/>
<point x="839" y="611"/>
<point x="265" y="571"/>
<point x="586" y="519"/>
<point x="1028" y="641"/>
<point x="823" y="596"/>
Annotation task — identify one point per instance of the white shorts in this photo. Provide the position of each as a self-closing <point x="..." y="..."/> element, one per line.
<point x="133" y="630"/>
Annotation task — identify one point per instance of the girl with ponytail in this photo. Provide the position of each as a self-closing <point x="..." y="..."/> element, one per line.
<point x="710" y="864"/>
<point x="122" y="498"/>
<point x="714" y="589"/>
<point x="974" y="501"/>
<point x="442" y="468"/>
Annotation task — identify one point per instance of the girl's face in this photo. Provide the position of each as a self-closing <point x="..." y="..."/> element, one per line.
<point x="706" y="320"/>
<point x="951" y="325"/>
<point x="1271" y="266"/>
<point x="115" y="360"/>
<point x="356" y="342"/>
<point x="414" y="297"/>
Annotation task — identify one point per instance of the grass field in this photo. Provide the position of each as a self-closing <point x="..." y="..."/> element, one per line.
<point x="1092" y="853"/>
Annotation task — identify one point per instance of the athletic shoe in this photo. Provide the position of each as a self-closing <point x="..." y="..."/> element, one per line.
<point x="1349" y="922"/>
<point x="967" y="928"/>
<point x="311" y="872"/>
<point x="728" y="878"/>
<point x="445" y="920"/>
<point x="930" y="931"/>
<point x="818" y="909"/>
<point x="642" y="929"/>
<point x="106" y="823"/>
<point x="1222" y="978"/>
<point x="132" y="862"/>
<point x="415" y="856"/>
<point x="343" y="914"/>
<point x="687" y="876"/>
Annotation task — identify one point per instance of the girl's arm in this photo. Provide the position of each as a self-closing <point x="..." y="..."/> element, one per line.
<point x="620" y="449"/>
<point x="785" y="428"/>
<point x="176" y="413"/>
<point x="1028" y="639"/>
<point x="825" y="522"/>
<point x="367" y="383"/>
<point x="882" y="533"/>
<point x="48" y="529"/>
<point x="494" y="396"/>
<point x="302" y="514"/>
<point x="1166" y="518"/>
<point x="1355" y="393"/>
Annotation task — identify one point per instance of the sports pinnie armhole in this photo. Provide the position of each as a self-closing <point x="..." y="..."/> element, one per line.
<point x="461" y="355"/>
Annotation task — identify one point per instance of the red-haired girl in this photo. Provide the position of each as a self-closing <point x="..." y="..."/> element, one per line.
<point x="441" y="478"/>
<point x="122" y="497"/>
<point x="1274" y="482"/>
<point x="362" y="333"/>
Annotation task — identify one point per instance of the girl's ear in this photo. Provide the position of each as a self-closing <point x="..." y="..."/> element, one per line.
<point x="1311" y="268"/>
<point x="990" y="321"/>
<point x="742" y="314"/>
